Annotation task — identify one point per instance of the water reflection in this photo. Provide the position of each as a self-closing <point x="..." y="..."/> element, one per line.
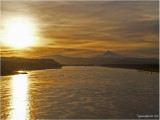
<point x="19" y="101"/>
<point x="95" y="92"/>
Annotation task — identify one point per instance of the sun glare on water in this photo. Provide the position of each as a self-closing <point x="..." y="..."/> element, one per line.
<point x="19" y="34"/>
<point x="20" y="101"/>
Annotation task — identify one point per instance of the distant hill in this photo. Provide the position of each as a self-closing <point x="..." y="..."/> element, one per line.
<point x="69" y="60"/>
<point x="11" y="64"/>
<point x="109" y="54"/>
<point x="108" y="57"/>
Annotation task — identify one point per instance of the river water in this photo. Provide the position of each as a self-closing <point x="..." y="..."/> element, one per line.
<point x="79" y="92"/>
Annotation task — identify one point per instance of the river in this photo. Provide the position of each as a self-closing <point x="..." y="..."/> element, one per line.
<point x="79" y="92"/>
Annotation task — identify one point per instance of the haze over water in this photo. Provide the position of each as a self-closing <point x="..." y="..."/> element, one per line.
<point x="80" y="92"/>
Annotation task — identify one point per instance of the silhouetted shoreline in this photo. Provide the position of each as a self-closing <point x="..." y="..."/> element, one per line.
<point x="142" y="67"/>
<point x="9" y="65"/>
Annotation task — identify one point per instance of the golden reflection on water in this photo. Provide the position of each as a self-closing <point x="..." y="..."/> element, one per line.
<point x="19" y="102"/>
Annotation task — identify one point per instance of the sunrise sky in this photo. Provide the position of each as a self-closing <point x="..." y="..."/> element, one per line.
<point x="83" y="29"/>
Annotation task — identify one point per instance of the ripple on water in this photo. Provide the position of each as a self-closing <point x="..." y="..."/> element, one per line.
<point x="84" y="92"/>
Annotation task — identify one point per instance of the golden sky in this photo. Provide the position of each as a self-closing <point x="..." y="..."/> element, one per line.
<point x="84" y="28"/>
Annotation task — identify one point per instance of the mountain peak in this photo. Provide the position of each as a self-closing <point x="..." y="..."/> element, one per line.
<point x="108" y="51"/>
<point x="109" y="54"/>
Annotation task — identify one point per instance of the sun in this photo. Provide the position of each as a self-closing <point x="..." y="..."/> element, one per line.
<point x="19" y="34"/>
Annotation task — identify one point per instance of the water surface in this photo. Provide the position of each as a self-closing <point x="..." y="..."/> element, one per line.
<point x="84" y="92"/>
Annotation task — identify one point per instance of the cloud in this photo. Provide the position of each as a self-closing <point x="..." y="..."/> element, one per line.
<point x="93" y="26"/>
<point x="150" y="53"/>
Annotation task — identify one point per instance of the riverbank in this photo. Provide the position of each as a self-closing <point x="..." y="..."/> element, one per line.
<point x="10" y="65"/>
<point x="142" y="67"/>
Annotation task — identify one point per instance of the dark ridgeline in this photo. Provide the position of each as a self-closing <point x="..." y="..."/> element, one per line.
<point x="11" y="64"/>
<point x="110" y="59"/>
